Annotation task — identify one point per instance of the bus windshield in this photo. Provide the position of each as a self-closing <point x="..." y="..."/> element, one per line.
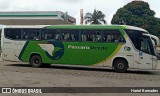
<point x="141" y="41"/>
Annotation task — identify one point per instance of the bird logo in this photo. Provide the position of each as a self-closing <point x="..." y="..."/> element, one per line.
<point x="53" y="50"/>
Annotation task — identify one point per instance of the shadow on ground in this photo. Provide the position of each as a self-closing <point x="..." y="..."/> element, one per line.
<point x="106" y="69"/>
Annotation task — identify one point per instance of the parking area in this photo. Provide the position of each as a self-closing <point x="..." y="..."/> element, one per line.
<point x="19" y="74"/>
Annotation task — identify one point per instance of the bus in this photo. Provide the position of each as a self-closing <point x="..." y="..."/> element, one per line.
<point x="117" y="46"/>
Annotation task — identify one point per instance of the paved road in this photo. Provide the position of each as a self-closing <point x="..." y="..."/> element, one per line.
<point x="15" y="74"/>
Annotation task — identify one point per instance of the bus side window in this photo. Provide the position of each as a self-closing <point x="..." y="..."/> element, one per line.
<point x="74" y="35"/>
<point x="135" y="37"/>
<point x="89" y="38"/>
<point x="13" y="33"/>
<point x="24" y="34"/>
<point x="45" y="36"/>
<point x="17" y="34"/>
<point x="98" y="36"/>
<point x="69" y="35"/>
<point x="83" y="36"/>
<point x="112" y="36"/>
<point x="72" y="38"/>
<point x="57" y="35"/>
<point x="91" y="35"/>
<point x="29" y="34"/>
<point x="64" y="35"/>
<point x="145" y="46"/>
<point x="48" y="34"/>
<point x="121" y="39"/>
<point x="37" y="35"/>
<point x="109" y="38"/>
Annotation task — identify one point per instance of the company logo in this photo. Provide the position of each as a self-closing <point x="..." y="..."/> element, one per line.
<point x="6" y="90"/>
<point x="87" y="47"/>
<point x="54" y="50"/>
<point x="127" y="48"/>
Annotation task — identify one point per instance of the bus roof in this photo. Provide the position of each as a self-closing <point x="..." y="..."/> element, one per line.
<point x="24" y="26"/>
<point x="78" y="27"/>
<point x="96" y="27"/>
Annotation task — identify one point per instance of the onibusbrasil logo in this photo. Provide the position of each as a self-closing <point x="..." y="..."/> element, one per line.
<point x="54" y="50"/>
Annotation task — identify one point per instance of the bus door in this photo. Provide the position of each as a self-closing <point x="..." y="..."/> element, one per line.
<point x="146" y="53"/>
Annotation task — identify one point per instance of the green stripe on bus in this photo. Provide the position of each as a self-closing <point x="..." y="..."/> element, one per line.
<point x="24" y="48"/>
<point x="82" y="53"/>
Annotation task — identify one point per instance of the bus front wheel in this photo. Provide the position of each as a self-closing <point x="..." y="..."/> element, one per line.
<point x="36" y="61"/>
<point x="120" y="66"/>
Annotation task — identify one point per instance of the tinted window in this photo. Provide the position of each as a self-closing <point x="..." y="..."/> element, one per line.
<point x="135" y="37"/>
<point x="146" y="45"/>
<point x="91" y="35"/>
<point x="69" y="35"/>
<point x="112" y="36"/>
<point x="83" y="36"/>
<point x="31" y="34"/>
<point x="98" y="35"/>
<point x="50" y="34"/>
<point x="13" y="33"/>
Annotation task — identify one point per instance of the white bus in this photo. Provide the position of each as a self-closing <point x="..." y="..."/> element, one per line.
<point x="118" y="47"/>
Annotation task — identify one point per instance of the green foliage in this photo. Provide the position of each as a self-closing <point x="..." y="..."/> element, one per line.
<point x="138" y="13"/>
<point x="97" y="17"/>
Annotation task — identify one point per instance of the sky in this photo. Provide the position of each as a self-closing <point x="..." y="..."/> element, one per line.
<point x="108" y="7"/>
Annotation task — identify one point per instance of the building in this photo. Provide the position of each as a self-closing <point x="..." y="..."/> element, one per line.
<point x="36" y="18"/>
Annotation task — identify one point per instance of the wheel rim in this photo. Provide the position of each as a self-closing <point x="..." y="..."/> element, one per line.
<point x="36" y="61"/>
<point x="120" y="65"/>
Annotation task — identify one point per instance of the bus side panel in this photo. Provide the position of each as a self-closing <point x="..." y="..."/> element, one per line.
<point x="8" y="50"/>
<point x="124" y="50"/>
<point x="11" y="49"/>
<point x="73" y="53"/>
<point x="18" y="45"/>
<point x="8" y="54"/>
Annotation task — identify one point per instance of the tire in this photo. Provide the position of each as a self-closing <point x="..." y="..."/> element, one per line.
<point x="36" y="61"/>
<point x="120" y="66"/>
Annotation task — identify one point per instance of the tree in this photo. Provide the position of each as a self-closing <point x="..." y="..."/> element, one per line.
<point x="97" y="17"/>
<point x="138" y="13"/>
